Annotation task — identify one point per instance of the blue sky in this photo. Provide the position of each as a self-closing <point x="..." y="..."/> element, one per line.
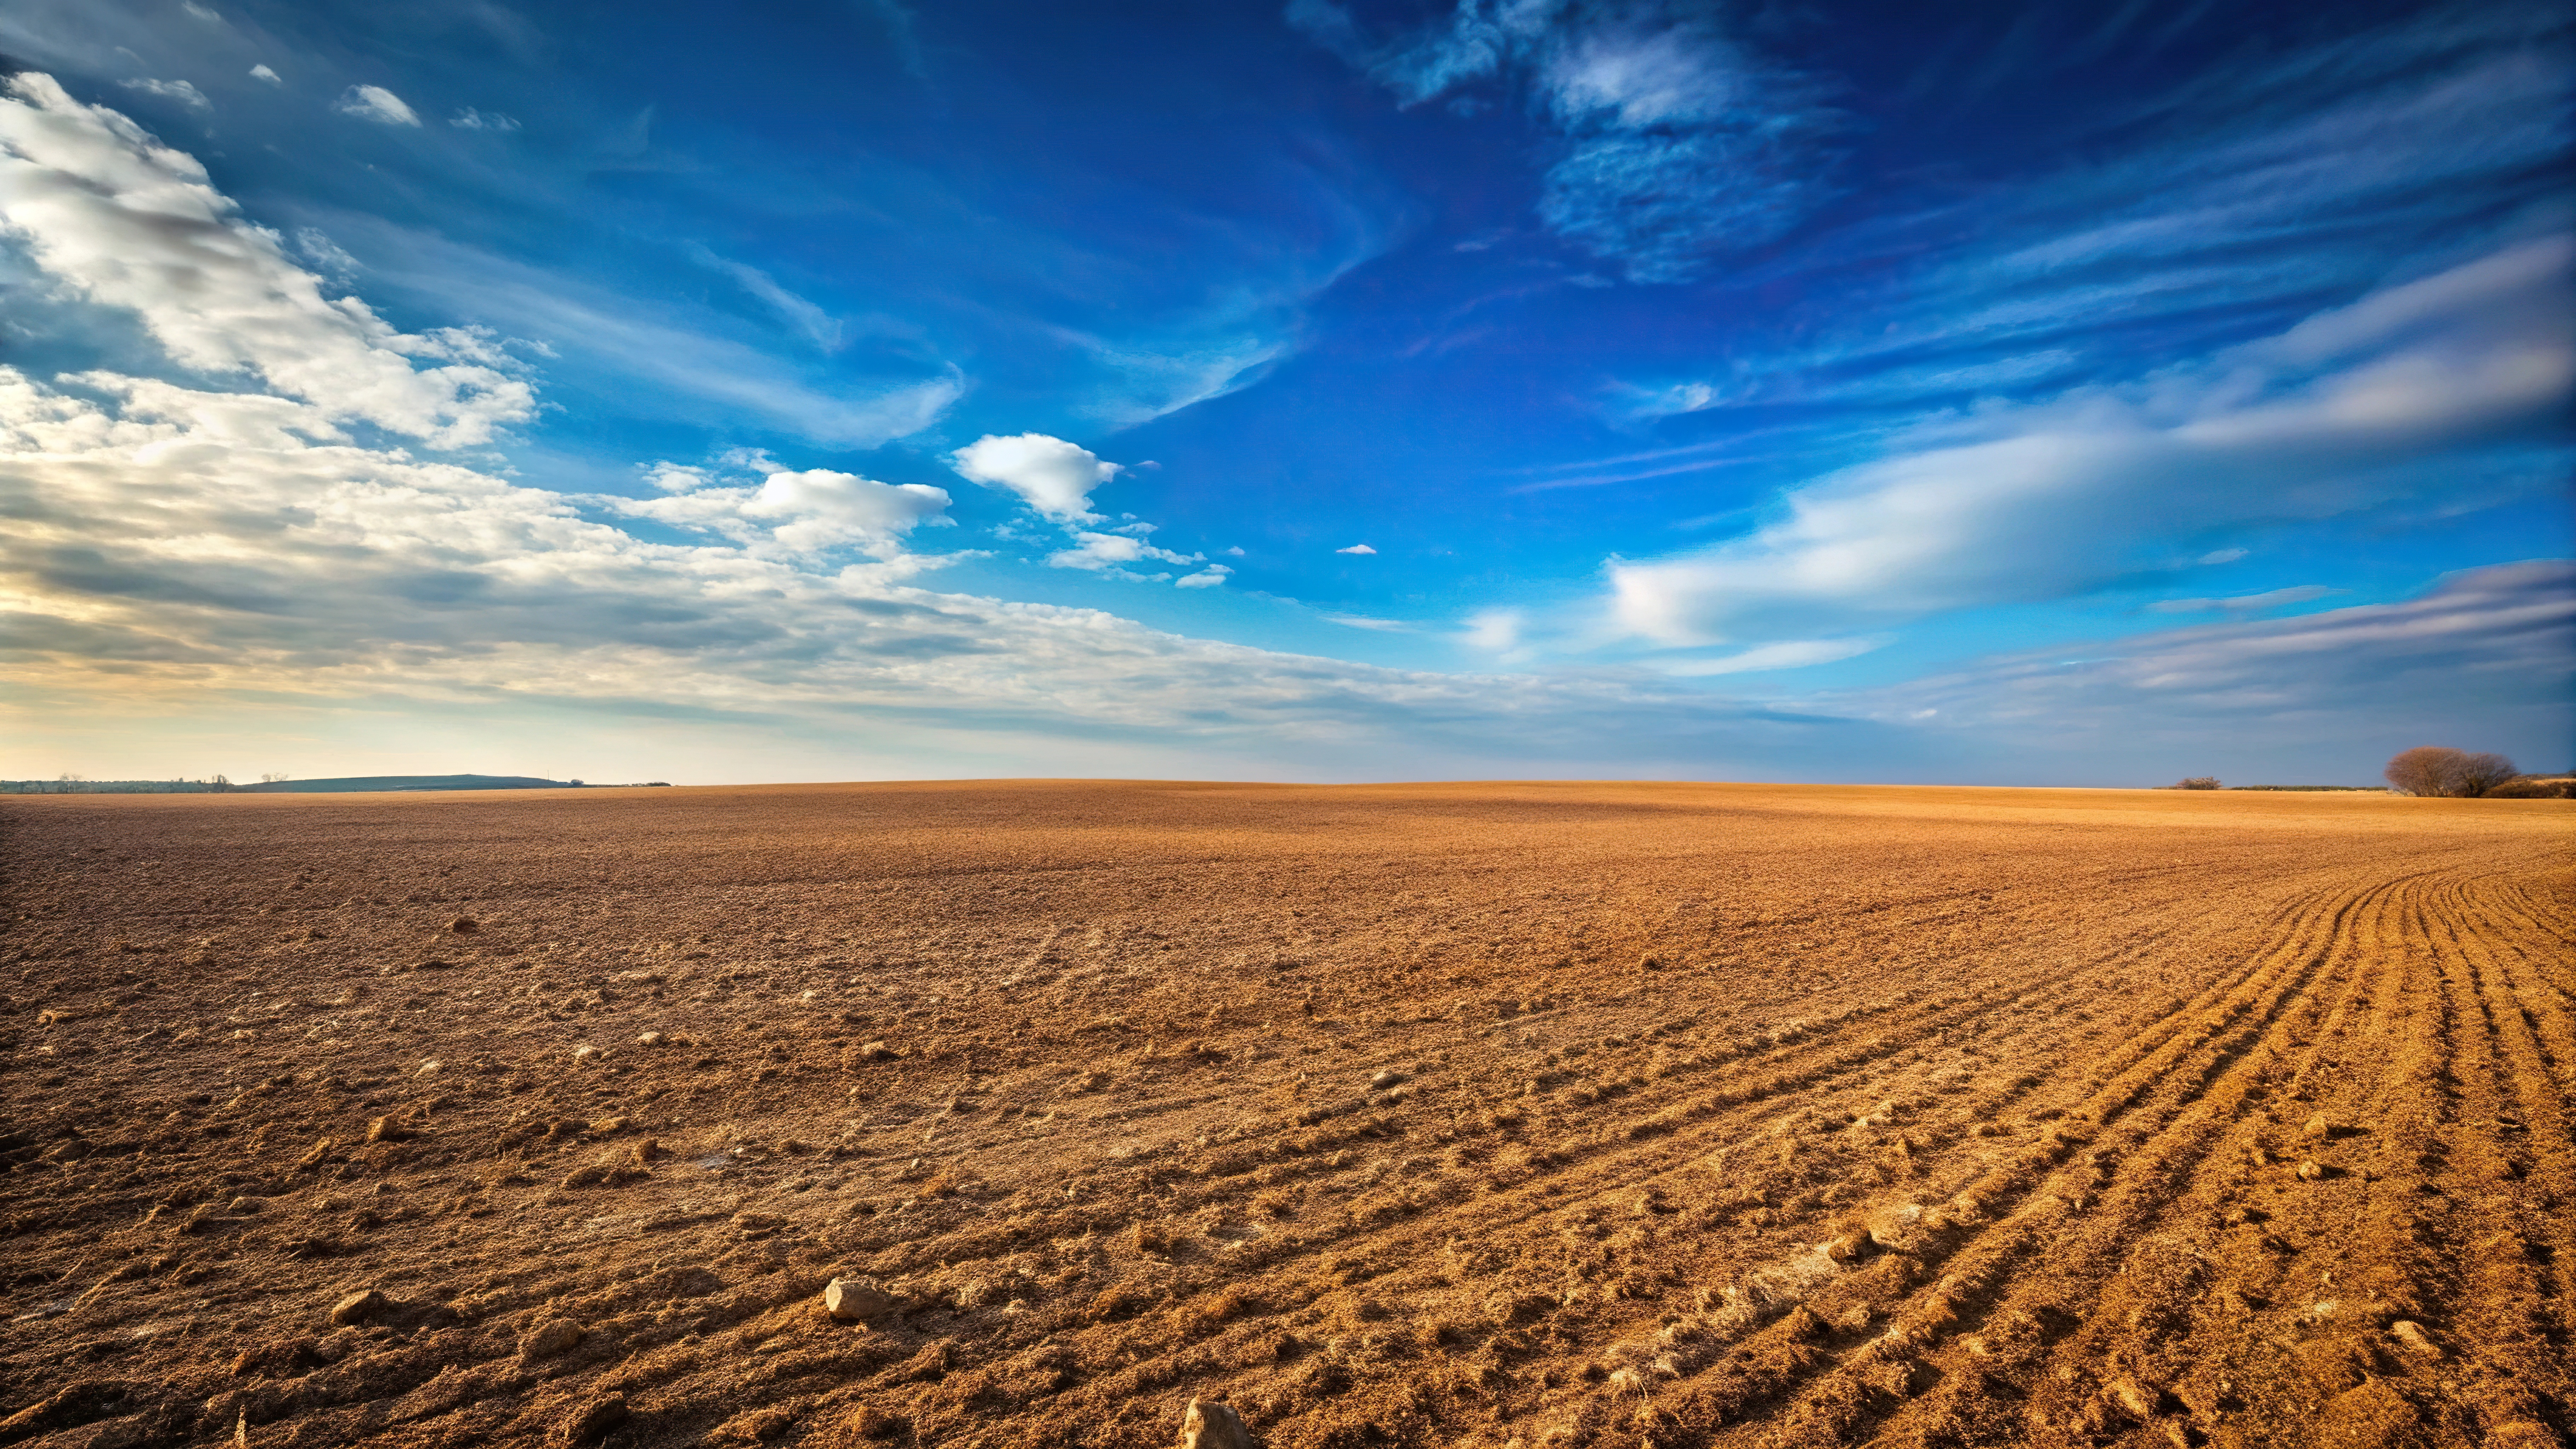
<point x="2059" y="394"/>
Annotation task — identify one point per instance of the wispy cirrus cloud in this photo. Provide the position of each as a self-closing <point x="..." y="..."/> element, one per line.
<point x="820" y="327"/>
<point x="2255" y="194"/>
<point x="687" y="359"/>
<point x="1680" y="143"/>
<point x="2046" y="500"/>
<point x="2483" y="657"/>
<point x="172" y="90"/>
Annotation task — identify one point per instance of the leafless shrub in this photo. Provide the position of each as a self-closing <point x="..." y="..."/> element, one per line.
<point x="2434" y="771"/>
<point x="2196" y="782"/>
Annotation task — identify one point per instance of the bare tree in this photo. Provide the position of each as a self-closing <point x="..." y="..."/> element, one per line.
<point x="2432" y="770"/>
<point x="2422" y="770"/>
<point x="2196" y="782"/>
<point x="2477" y="774"/>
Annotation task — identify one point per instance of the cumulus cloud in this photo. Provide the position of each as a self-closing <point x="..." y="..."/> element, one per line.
<point x="1358" y="548"/>
<point x="261" y="72"/>
<point x="796" y="512"/>
<point x="674" y="477"/>
<point x="375" y="103"/>
<point x="2045" y="500"/>
<point x="116" y="217"/>
<point x="1206" y="578"/>
<point x="1680" y="144"/>
<point x="470" y="119"/>
<point x="178" y="90"/>
<point x="1111" y="552"/>
<point x="1049" y="474"/>
<point x="173" y="547"/>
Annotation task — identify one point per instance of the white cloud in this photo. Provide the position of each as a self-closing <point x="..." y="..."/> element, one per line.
<point x="375" y="103"/>
<point x="791" y="512"/>
<point x="2480" y="660"/>
<point x="1358" y="548"/>
<point x="470" y="119"/>
<point x="1496" y="630"/>
<point x="2222" y="556"/>
<point x="2263" y="183"/>
<point x="821" y="508"/>
<point x="674" y="477"/>
<point x="326" y="253"/>
<point x="1049" y="474"/>
<point x="820" y="327"/>
<point x="2244" y="603"/>
<point x="667" y="361"/>
<point x="261" y="72"/>
<point x="175" y="550"/>
<point x="1206" y="578"/>
<point x="124" y="221"/>
<point x="1110" y="552"/>
<point x="203" y="13"/>
<point x="178" y="90"/>
<point x="1369" y="622"/>
<point x="1681" y="144"/>
<point x="1787" y="654"/>
<point x="2041" y="501"/>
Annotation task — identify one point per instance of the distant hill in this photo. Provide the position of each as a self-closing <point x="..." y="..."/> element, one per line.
<point x="405" y="782"/>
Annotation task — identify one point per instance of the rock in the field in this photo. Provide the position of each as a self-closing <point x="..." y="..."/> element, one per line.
<point x="587" y="1053"/>
<point x="2319" y="1126"/>
<point x="386" y="1129"/>
<point x="1385" y="1079"/>
<point x="553" y="1336"/>
<point x="876" y="1051"/>
<point x="464" y="925"/>
<point x="2412" y="1334"/>
<point x="651" y="1039"/>
<point x="1211" y="1425"/>
<point x="854" y="1300"/>
<point x="428" y="1068"/>
<point x="590" y="1419"/>
<point x="2310" y="1170"/>
<point x="359" y="1307"/>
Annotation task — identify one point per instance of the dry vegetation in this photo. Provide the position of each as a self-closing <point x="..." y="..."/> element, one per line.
<point x="1422" y="1116"/>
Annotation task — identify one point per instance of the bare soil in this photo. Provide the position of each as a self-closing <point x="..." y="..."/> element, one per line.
<point x="1448" y="1115"/>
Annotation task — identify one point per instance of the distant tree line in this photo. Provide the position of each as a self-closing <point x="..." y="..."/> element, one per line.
<point x="75" y="785"/>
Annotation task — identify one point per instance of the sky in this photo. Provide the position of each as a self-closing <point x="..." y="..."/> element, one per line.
<point x="2025" y="393"/>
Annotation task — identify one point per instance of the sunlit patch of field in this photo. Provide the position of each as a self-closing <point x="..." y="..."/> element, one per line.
<point x="1425" y="1115"/>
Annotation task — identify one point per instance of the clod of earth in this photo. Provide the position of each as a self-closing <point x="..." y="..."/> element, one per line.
<point x="855" y="1300"/>
<point x="553" y="1336"/>
<point x="360" y="1306"/>
<point x="591" y="1419"/>
<point x="2412" y="1334"/>
<point x="1211" y="1425"/>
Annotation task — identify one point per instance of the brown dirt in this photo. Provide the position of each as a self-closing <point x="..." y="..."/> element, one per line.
<point x="1475" y="1114"/>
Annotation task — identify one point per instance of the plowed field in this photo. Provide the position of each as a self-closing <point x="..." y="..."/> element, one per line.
<point x="1475" y="1114"/>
